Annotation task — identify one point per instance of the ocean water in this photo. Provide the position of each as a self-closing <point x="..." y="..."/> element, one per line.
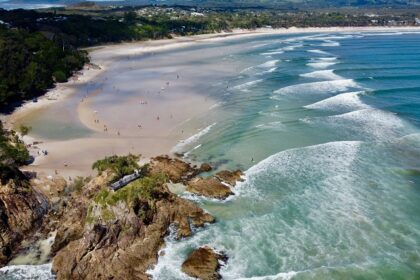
<point x="327" y="129"/>
<point x="30" y="4"/>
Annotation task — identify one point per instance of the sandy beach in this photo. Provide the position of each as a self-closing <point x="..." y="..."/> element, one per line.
<point x="159" y="102"/>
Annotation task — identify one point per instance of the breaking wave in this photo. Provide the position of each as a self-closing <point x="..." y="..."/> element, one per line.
<point x="323" y="87"/>
<point x="322" y="74"/>
<point x="180" y="147"/>
<point x="344" y="102"/>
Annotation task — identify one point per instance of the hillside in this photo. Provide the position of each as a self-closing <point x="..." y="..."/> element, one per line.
<point x="286" y="4"/>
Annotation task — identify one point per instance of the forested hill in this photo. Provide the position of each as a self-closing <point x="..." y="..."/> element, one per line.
<point x="40" y="48"/>
<point x="286" y="4"/>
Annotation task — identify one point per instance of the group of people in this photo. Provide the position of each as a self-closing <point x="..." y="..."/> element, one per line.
<point x="142" y="102"/>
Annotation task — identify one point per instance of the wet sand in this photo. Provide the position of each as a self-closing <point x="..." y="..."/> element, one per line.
<point x="139" y="101"/>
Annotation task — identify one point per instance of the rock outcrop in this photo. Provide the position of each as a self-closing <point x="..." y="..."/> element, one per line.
<point x="123" y="231"/>
<point x="209" y="187"/>
<point x="218" y="186"/>
<point x="230" y="177"/>
<point x="204" y="264"/>
<point x="22" y="209"/>
<point x="177" y="170"/>
<point x="105" y="234"/>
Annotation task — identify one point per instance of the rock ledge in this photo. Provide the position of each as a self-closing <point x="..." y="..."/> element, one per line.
<point x="204" y="263"/>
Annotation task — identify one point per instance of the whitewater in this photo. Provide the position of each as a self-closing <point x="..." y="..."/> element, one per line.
<point x="327" y="129"/>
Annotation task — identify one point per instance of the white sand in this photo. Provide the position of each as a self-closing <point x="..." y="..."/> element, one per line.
<point x="160" y="118"/>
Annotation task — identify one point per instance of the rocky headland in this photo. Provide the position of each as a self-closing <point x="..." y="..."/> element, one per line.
<point x="106" y="234"/>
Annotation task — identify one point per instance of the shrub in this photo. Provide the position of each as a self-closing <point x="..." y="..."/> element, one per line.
<point x="120" y="165"/>
<point x="144" y="191"/>
<point x="78" y="184"/>
<point x="59" y="76"/>
<point x="24" y="130"/>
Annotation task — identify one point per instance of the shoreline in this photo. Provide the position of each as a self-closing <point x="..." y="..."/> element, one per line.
<point x="104" y="56"/>
<point x="87" y="74"/>
<point x="62" y="90"/>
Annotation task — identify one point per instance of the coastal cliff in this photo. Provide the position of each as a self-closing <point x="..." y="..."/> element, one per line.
<point x="22" y="209"/>
<point x="101" y="233"/>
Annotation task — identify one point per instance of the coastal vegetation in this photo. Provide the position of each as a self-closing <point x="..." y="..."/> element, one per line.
<point x="139" y="195"/>
<point x="119" y="165"/>
<point x="144" y="188"/>
<point x="24" y="130"/>
<point x="31" y="63"/>
<point x="77" y="184"/>
<point x="40" y="48"/>
<point x="13" y="154"/>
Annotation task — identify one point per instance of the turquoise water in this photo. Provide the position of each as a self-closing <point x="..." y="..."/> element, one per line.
<point x="327" y="127"/>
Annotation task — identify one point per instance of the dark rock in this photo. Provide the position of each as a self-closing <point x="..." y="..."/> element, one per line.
<point x="205" y="167"/>
<point x="203" y="264"/>
<point x="22" y="211"/>
<point x="177" y="170"/>
<point x="230" y="177"/>
<point x="125" y="246"/>
<point x="209" y="187"/>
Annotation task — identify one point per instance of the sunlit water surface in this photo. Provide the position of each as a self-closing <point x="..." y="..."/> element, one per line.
<point x="327" y="127"/>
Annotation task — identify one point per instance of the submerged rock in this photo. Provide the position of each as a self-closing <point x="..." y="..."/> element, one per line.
<point x="209" y="187"/>
<point x="204" y="264"/>
<point x="205" y="167"/>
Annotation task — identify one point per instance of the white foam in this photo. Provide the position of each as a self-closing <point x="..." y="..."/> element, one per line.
<point x="273" y="52"/>
<point x="384" y="33"/>
<point x="371" y="124"/>
<point x="268" y="71"/>
<point x="329" y="43"/>
<point x="348" y="101"/>
<point x="344" y="153"/>
<point x="28" y="271"/>
<point x="193" y="149"/>
<point x="189" y="141"/>
<point x="245" y="86"/>
<point x="269" y="64"/>
<point x="280" y="276"/>
<point x="335" y="37"/>
<point x="322" y="74"/>
<point x="319" y="87"/>
<point x="216" y="105"/>
<point x="260" y="45"/>
<point x="327" y="58"/>
<point x="320" y="64"/>
<point x="271" y="125"/>
<point x="292" y="47"/>
<point x="247" y="69"/>
<point x="318" y="52"/>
